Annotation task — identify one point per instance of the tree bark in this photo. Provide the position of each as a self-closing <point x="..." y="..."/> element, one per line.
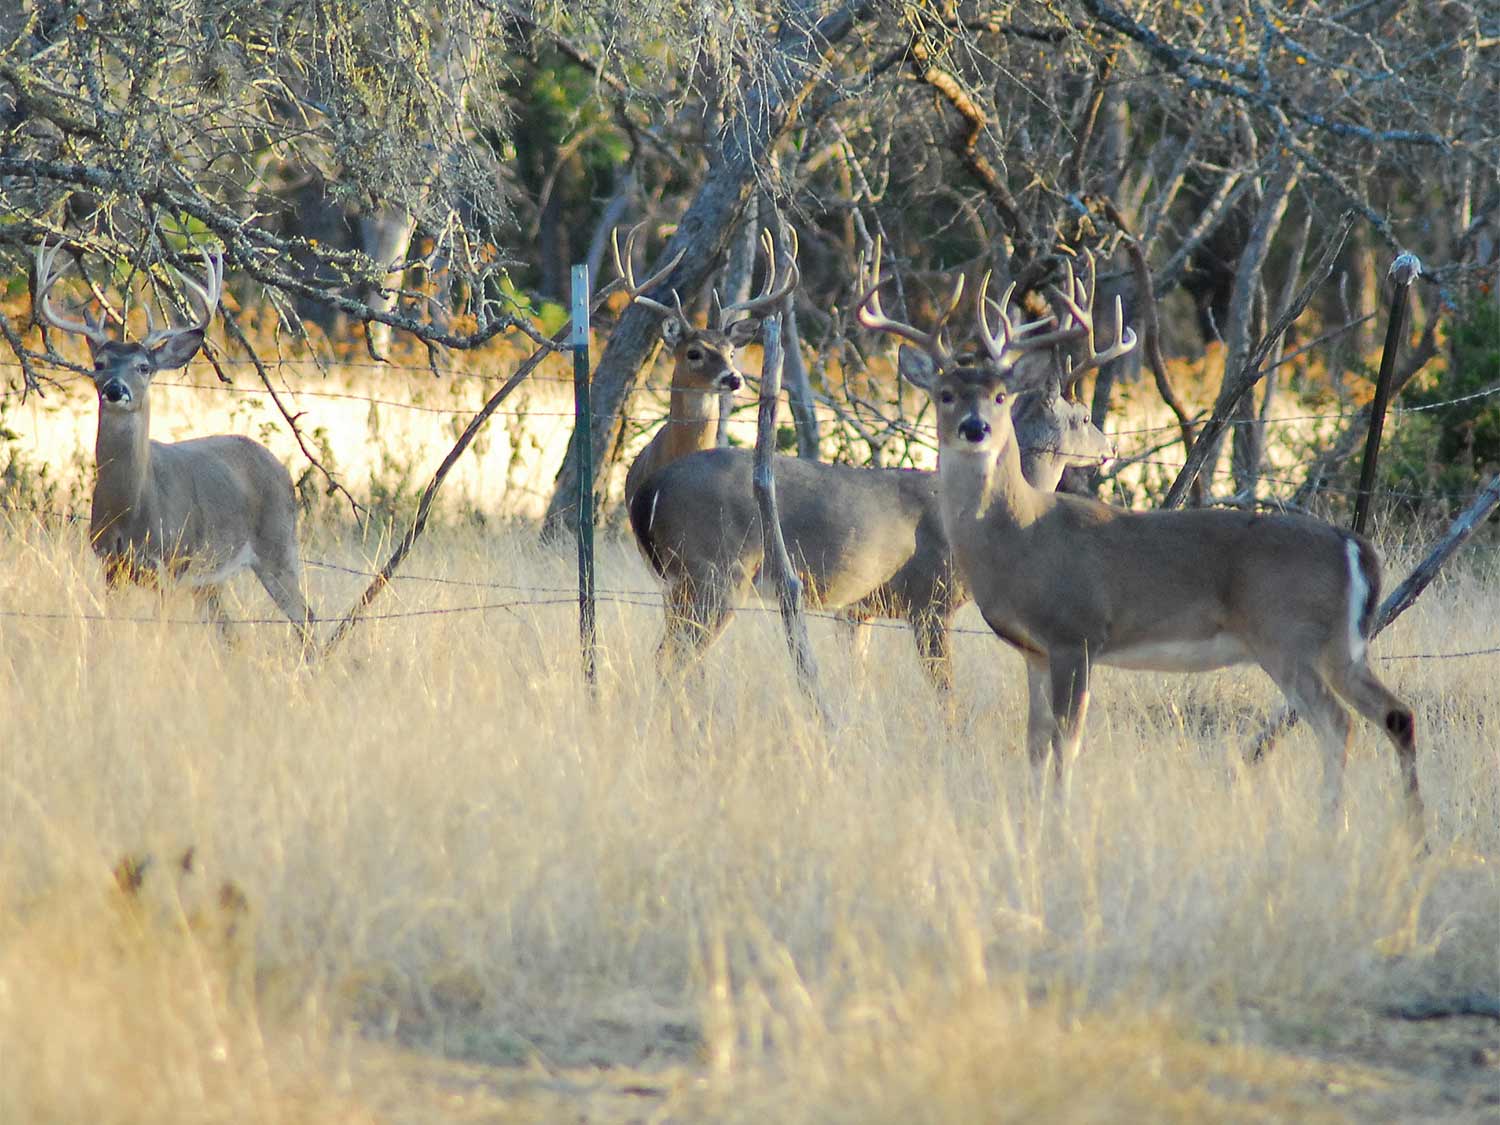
<point x="771" y="106"/>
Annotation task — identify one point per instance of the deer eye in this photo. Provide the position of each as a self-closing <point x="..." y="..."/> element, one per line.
<point x="999" y="398"/>
<point x="694" y="354"/>
<point x="946" y="398"/>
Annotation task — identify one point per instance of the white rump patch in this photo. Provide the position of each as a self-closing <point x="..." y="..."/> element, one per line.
<point x="1359" y="593"/>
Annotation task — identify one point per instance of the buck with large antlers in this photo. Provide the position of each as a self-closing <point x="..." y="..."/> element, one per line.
<point x="1072" y="582"/>
<point x="868" y="542"/>
<point x="702" y="358"/>
<point x="200" y="510"/>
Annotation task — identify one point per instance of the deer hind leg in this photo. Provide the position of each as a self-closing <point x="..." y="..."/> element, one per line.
<point x="283" y="581"/>
<point x="855" y="625"/>
<point x="1372" y="699"/>
<point x="1311" y="697"/>
<point x="697" y="612"/>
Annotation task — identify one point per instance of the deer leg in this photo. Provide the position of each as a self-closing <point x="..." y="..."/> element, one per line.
<point x="1312" y="698"/>
<point x="1372" y="699"/>
<point x="284" y="583"/>
<point x="1069" y="673"/>
<point x="1039" y="721"/>
<point x="211" y="608"/>
<point x="856" y="629"/>
<point x="935" y="649"/>
<point x="696" y="614"/>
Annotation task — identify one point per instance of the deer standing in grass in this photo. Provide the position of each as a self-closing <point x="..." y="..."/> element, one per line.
<point x="199" y="511"/>
<point x="1072" y="582"/>
<point x="702" y="359"/>
<point x="868" y="542"/>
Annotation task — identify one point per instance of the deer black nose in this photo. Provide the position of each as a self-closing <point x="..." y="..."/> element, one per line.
<point x="973" y="429"/>
<point x="115" y="391"/>
<point x="729" y="381"/>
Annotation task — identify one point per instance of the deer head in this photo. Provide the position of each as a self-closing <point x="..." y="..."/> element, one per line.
<point x="122" y="370"/>
<point x="982" y="405"/>
<point x="704" y="357"/>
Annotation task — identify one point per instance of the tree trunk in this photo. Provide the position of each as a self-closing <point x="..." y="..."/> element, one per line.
<point x="771" y="105"/>
<point x="1239" y="333"/>
<point x="739" y="274"/>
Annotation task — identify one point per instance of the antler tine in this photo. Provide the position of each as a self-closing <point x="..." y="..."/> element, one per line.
<point x="872" y="316"/>
<point x="627" y="273"/>
<point x="46" y="278"/>
<point x="771" y="293"/>
<point x="994" y="346"/>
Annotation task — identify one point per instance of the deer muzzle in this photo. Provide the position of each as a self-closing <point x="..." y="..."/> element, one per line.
<point x="729" y="381"/>
<point x="973" y="430"/>
<point x="115" y="391"/>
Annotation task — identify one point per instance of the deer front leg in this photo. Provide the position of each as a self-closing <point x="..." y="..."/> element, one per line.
<point x="935" y="649"/>
<point x="211" y="609"/>
<point x="1069" y="669"/>
<point x="1039" y="721"/>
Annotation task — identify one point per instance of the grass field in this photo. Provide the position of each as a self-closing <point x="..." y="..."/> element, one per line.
<point x="460" y="891"/>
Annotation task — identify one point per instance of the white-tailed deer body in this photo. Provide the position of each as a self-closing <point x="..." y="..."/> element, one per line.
<point x="197" y="511"/>
<point x="868" y="542"/>
<point x="1073" y="582"/>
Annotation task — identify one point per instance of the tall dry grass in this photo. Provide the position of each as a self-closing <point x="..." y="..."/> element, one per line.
<point x="699" y="903"/>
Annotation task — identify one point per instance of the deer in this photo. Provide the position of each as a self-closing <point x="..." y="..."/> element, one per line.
<point x="702" y="358"/>
<point x="198" y="511"/>
<point x="866" y="542"/>
<point x="1071" y="582"/>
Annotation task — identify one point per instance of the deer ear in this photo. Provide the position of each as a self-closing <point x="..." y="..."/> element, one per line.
<point x="741" y="332"/>
<point x="673" y="331"/>
<point x="177" y="350"/>
<point x="916" y="367"/>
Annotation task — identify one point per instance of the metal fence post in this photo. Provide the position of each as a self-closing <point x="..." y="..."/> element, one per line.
<point x="583" y="452"/>
<point x="1404" y="270"/>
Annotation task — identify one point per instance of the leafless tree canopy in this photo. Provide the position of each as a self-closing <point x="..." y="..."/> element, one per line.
<point x="389" y="160"/>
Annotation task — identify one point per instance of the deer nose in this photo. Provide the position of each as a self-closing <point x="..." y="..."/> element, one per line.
<point x="115" y="391"/>
<point x="729" y="381"/>
<point x="973" y="429"/>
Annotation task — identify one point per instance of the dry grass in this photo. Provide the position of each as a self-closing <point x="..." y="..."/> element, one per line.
<point x="478" y="896"/>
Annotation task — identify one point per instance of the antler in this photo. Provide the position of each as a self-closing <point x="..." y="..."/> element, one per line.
<point x="1079" y="302"/>
<point x="627" y="273"/>
<point x="767" y="298"/>
<point x="46" y="278"/>
<point x="208" y="294"/>
<point x="873" y="317"/>
<point x="1010" y="337"/>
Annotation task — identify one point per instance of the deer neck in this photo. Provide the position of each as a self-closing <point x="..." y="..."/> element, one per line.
<point x="988" y="488"/>
<point x="122" y="454"/>
<point x="692" y="423"/>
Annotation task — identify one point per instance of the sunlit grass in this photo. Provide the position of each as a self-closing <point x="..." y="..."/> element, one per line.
<point x="450" y="848"/>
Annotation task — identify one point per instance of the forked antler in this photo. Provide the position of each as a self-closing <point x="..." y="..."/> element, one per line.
<point x="771" y="294"/>
<point x="208" y="294"/>
<point x="46" y="277"/>
<point x="1078" y="300"/>
<point x="873" y="317"/>
<point x="1013" y="336"/>
<point x="627" y="273"/>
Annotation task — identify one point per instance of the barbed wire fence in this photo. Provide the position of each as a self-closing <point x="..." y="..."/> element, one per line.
<point x="532" y="596"/>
